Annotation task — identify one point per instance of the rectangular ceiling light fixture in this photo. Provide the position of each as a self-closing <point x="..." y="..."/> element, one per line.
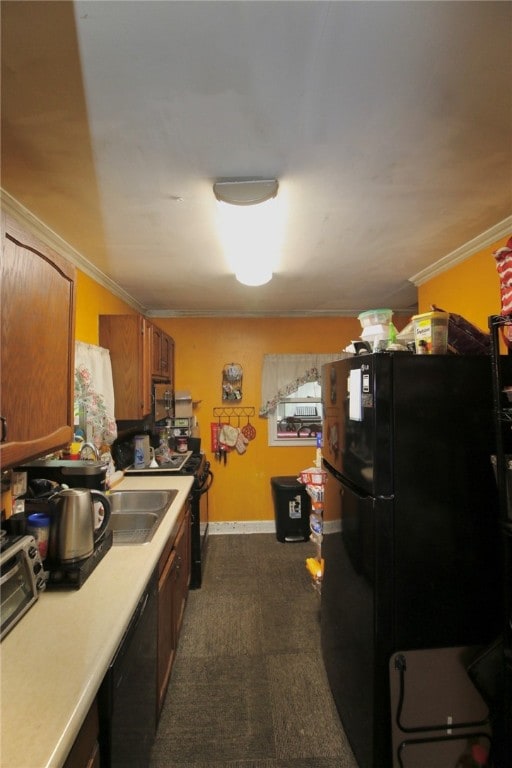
<point x="250" y="225"/>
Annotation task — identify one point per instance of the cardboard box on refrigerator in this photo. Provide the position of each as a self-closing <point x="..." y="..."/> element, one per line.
<point x="183" y="405"/>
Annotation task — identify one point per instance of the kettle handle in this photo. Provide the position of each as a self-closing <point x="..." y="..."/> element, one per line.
<point x="100" y="532"/>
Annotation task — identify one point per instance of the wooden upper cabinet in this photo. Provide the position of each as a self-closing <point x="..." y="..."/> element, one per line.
<point x="140" y="352"/>
<point x="37" y="346"/>
<point x="162" y="354"/>
<point x="128" y="338"/>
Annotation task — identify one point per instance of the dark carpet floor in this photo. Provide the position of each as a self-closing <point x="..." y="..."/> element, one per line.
<point x="248" y="688"/>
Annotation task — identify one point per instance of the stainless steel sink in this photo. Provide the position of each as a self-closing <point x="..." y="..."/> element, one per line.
<point x="136" y="515"/>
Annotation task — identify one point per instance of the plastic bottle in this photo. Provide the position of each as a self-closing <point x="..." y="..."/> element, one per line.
<point x="38" y="526"/>
<point x="318" y="454"/>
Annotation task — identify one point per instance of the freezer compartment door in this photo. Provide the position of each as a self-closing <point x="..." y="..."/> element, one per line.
<point x="347" y="629"/>
<point x="355" y="617"/>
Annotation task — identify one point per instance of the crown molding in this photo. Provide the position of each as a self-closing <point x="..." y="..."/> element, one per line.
<point x="291" y="313"/>
<point x="487" y="238"/>
<point x="37" y="227"/>
<point x="50" y="238"/>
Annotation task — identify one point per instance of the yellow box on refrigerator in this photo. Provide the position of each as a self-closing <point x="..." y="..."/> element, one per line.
<point x="431" y="333"/>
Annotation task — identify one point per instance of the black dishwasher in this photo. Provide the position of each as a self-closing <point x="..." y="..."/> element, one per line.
<point x="127" y="697"/>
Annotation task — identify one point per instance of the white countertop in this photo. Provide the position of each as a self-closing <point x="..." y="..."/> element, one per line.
<point x="53" y="661"/>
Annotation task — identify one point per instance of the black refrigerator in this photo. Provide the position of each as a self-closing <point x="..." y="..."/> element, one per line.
<point x="411" y="536"/>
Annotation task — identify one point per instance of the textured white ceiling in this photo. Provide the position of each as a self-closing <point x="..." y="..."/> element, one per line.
<point x="388" y="125"/>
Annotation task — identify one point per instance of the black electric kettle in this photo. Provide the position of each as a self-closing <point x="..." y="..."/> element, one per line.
<point x="73" y="535"/>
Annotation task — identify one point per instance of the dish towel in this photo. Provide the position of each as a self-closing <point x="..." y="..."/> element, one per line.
<point x="503" y="258"/>
<point x="94" y="393"/>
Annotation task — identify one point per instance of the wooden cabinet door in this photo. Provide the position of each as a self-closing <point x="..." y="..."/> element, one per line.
<point x="162" y="354"/>
<point x="85" y="751"/>
<point x="127" y="337"/>
<point x="173" y="585"/>
<point x="167" y="358"/>
<point x="37" y="347"/>
<point x="186" y="552"/>
<point x="156" y="350"/>
<point x="145" y="368"/>
<point x="182" y="547"/>
<point x="167" y="642"/>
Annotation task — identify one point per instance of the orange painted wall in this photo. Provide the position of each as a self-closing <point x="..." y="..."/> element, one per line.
<point x="470" y="289"/>
<point x="93" y="300"/>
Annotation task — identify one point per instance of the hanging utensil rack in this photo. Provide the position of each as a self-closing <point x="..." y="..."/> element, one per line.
<point x="229" y="412"/>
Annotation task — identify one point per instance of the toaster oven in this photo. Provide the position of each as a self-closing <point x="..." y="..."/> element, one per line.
<point x="22" y="578"/>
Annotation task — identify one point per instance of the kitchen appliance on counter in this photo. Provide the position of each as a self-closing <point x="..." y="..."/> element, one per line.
<point x="62" y="576"/>
<point x="411" y="535"/>
<point x="75" y="474"/>
<point x="21" y="577"/>
<point x="73" y="534"/>
<point x="76" y="544"/>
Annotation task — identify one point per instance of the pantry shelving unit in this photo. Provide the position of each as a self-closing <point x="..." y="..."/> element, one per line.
<point x="502" y="398"/>
<point x="314" y="479"/>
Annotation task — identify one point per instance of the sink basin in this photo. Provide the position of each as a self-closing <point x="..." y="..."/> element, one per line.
<point x="140" y="501"/>
<point x="133" y="527"/>
<point x="136" y="515"/>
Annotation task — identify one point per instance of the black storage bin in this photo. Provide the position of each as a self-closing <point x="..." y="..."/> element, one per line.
<point x="292" y="507"/>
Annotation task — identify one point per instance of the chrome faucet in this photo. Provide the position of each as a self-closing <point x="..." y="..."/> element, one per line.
<point x="92" y="448"/>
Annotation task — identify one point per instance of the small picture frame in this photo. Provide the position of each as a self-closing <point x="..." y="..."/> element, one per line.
<point x="232" y="375"/>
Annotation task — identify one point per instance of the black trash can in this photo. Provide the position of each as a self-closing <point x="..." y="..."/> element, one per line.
<point x="292" y="506"/>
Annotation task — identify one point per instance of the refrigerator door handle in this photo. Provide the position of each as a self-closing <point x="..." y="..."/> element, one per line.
<point x="345" y="481"/>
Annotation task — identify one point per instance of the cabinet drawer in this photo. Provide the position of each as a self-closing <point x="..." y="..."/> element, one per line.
<point x="85" y="751"/>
